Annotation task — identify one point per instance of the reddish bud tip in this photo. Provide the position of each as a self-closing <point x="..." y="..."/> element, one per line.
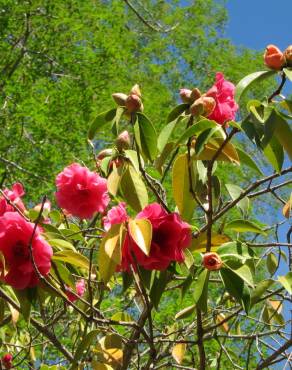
<point x="212" y="261"/>
<point x="135" y="90"/>
<point x="288" y="55"/>
<point x="274" y="58"/>
<point x="134" y="103"/>
<point x="123" y="141"/>
<point x="185" y="95"/>
<point x="196" y="94"/>
<point x="104" y="153"/>
<point x="7" y="361"/>
<point x="203" y="106"/>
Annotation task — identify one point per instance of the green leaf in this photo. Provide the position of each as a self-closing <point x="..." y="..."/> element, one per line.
<point x="133" y="189"/>
<point x="71" y="257"/>
<point x="165" y="135"/>
<point x="122" y="316"/>
<point x="159" y="284"/>
<point x="200" y="287"/>
<point x="25" y="302"/>
<point x="242" y="271"/>
<point x="176" y="112"/>
<point x="274" y="153"/>
<point x="235" y="248"/>
<point x="146" y="136"/>
<point x="248" y="161"/>
<point x="62" y="244"/>
<point x="181" y="187"/>
<point x="195" y="129"/>
<point x="286" y="281"/>
<point x="235" y="191"/>
<point x="110" y="255"/>
<point x="242" y="226"/>
<point x="247" y="82"/>
<point x="204" y="137"/>
<point x="235" y="287"/>
<point x="186" y="312"/>
<point x="141" y="232"/>
<point x="272" y="263"/>
<point x="84" y="344"/>
<point x="288" y="73"/>
<point x="99" y="121"/>
<point x="260" y="289"/>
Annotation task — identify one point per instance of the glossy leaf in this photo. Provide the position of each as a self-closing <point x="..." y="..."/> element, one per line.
<point x="288" y="73"/>
<point x="235" y="191"/>
<point x="260" y="289"/>
<point x="195" y="129"/>
<point x="286" y="281"/>
<point x="243" y="226"/>
<point x="85" y="343"/>
<point x="165" y="135"/>
<point x="199" y="244"/>
<point x="73" y="258"/>
<point x="134" y="189"/>
<point x="186" y="312"/>
<point x="99" y="121"/>
<point x="274" y="153"/>
<point x="141" y="232"/>
<point x="245" y="159"/>
<point x="247" y="82"/>
<point x="272" y="263"/>
<point x="110" y="254"/>
<point x="176" y="112"/>
<point x="146" y="137"/>
<point x="181" y="187"/>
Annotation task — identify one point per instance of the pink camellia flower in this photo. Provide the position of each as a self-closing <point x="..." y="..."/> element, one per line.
<point x="15" y="196"/>
<point x="15" y="236"/>
<point x="81" y="192"/>
<point x="170" y="236"/>
<point x="115" y="215"/>
<point x="223" y="93"/>
<point x="80" y="290"/>
<point x="7" y="361"/>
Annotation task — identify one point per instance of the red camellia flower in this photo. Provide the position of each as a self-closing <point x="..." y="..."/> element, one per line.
<point x="7" y="361"/>
<point x="80" y="290"/>
<point x="212" y="261"/>
<point x="81" y="192"/>
<point x="15" y="236"/>
<point x="223" y="93"/>
<point x="274" y="58"/>
<point x="15" y="196"/>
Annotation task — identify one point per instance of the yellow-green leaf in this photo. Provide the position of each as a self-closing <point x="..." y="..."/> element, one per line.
<point x="73" y="258"/>
<point x="178" y="352"/>
<point x="141" y="231"/>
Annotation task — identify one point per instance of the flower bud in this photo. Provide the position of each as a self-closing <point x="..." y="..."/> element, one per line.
<point x="7" y="361"/>
<point x="203" y="106"/>
<point x="118" y="162"/>
<point x="274" y="58"/>
<point x="185" y="95"/>
<point x="134" y="103"/>
<point x="135" y="90"/>
<point x="120" y="98"/>
<point x="196" y="94"/>
<point x="123" y="141"/>
<point x="212" y="261"/>
<point x="288" y="56"/>
<point x="104" y="153"/>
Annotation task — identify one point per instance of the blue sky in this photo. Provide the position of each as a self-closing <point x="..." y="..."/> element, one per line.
<point x="257" y="23"/>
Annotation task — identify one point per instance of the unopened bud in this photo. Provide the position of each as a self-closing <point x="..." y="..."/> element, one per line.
<point x="288" y="56"/>
<point x="123" y="141"/>
<point x="104" y="153"/>
<point x="196" y="94"/>
<point x="274" y="58"/>
<point x="185" y="95"/>
<point x="203" y="106"/>
<point x="120" y="98"/>
<point x="134" y="103"/>
<point x="212" y="261"/>
<point x="135" y="90"/>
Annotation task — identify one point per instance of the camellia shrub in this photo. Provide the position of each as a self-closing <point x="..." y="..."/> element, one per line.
<point x="150" y="259"/>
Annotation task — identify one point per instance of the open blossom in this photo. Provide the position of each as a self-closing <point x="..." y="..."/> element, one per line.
<point x="15" y="196"/>
<point x="212" y="261"/>
<point x="80" y="290"/>
<point x="223" y="93"/>
<point x="7" y="361"/>
<point x="15" y="238"/>
<point x="81" y="192"/>
<point x="115" y="215"/>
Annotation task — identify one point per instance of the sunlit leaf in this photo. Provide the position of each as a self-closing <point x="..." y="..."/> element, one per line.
<point x="71" y="257"/>
<point x="141" y="232"/>
<point x="178" y="352"/>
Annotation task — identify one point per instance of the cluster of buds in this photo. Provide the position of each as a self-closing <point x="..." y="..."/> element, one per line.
<point x="212" y="261"/>
<point x="202" y="105"/>
<point x="7" y="361"/>
<point x="276" y="59"/>
<point x="132" y="102"/>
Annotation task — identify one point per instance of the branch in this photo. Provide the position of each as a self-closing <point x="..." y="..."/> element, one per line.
<point x="264" y="364"/>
